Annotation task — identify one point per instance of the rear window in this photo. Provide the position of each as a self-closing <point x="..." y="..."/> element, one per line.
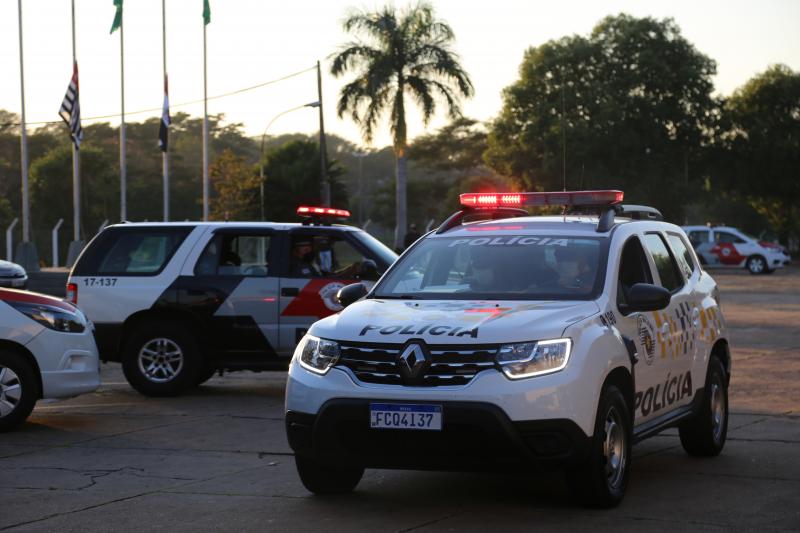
<point x="121" y="251"/>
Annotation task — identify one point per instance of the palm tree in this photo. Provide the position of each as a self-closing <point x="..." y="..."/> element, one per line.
<point x="395" y="55"/>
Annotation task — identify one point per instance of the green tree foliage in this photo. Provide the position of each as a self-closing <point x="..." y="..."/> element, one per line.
<point x="458" y="146"/>
<point x="395" y="55"/>
<point x="763" y="146"/>
<point x="632" y="102"/>
<point x="292" y="178"/>
<point x="237" y="188"/>
<point x="51" y="193"/>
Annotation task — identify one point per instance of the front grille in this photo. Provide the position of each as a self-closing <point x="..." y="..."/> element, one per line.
<point x="447" y="365"/>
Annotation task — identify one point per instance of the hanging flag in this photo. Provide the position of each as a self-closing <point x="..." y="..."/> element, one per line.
<point x="70" y="110"/>
<point x="206" y="12"/>
<point x="117" y="16"/>
<point x="163" y="130"/>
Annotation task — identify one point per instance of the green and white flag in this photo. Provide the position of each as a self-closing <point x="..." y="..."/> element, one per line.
<point x="117" y="16"/>
<point x="206" y="12"/>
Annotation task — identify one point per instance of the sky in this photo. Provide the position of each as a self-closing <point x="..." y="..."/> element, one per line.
<point x="255" y="41"/>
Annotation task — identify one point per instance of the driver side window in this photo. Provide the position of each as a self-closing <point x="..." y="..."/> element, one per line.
<point x="633" y="269"/>
<point x="235" y="255"/>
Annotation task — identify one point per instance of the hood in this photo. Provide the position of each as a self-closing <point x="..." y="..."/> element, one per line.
<point x="452" y="322"/>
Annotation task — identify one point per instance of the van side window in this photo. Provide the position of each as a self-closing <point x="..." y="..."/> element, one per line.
<point x="682" y="254"/>
<point x="633" y="269"/>
<point x="725" y="237"/>
<point x="698" y="237"/>
<point x="139" y="252"/>
<point x="235" y="255"/>
<point x="666" y="265"/>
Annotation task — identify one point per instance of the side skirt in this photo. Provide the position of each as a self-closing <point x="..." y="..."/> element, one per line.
<point x="669" y="420"/>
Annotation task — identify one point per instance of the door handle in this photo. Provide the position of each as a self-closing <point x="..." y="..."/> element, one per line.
<point x="290" y="291"/>
<point x="695" y="317"/>
<point x="665" y="329"/>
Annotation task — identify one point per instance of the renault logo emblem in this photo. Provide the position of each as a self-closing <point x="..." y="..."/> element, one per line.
<point x="412" y="360"/>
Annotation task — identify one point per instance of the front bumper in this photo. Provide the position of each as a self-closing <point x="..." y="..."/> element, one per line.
<point x="474" y="436"/>
<point x="68" y="362"/>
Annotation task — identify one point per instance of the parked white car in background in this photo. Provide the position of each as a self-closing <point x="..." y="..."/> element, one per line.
<point x="726" y="247"/>
<point x="12" y="275"/>
<point x="47" y="350"/>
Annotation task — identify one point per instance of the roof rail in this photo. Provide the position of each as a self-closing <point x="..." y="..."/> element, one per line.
<point x="457" y="218"/>
<point x="635" y="212"/>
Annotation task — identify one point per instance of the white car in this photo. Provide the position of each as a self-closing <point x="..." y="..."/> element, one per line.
<point x="176" y="302"/>
<point x="516" y="342"/>
<point x="726" y="247"/>
<point x="12" y="275"/>
<point x="47" y="350"/>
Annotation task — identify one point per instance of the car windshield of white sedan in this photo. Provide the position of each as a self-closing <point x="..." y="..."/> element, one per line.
<point x="512" y="267"/>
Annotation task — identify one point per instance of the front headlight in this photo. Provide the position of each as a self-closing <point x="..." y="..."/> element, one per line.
<point x="51" y="316"/>
<point x="528" y="359"/>
<point x="317" y="355"/>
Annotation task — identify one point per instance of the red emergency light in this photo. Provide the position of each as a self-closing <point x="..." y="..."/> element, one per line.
<point x="306" y="211"/>
<point x="521" y="199"/>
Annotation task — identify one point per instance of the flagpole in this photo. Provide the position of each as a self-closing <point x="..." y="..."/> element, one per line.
<point x="165" y="154"/>
<point x="26" y="228"/>
<point x="123" y="171"/>
<point x="205" y="127"/>
<point x="76" y="168"/>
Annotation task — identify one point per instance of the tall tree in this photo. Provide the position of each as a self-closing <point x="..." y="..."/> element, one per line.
<point x="399" y="54"/>
<point x="763" y="146"/>
<point x="628" y="106"/>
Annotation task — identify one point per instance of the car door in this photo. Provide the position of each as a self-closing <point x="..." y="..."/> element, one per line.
<point x="235" y="285"/>
<point x="702" y="242"/>
<point x="676" y="330"/>
<point x="729" y="249"/>
<point x="318" y="261"/>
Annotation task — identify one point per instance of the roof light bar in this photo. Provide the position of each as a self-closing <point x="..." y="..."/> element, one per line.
<point x="491" y="200"/>
<point x="306" y="211"/>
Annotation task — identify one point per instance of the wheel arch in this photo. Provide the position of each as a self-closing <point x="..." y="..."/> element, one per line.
<point x="161" y="315"/>
<point x="26" y="354"/>
<point x="623" y="380"/>
<point x="721" y="350"/>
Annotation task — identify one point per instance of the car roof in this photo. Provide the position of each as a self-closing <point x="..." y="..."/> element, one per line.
<point x="578" y="225"/>
<point x="235" y="225"/>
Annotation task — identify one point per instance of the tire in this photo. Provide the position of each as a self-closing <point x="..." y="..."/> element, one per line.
<point x="756" y="265"/>
<point x="602" y="478"/>
<point x="161" y="359"/>
<point x="19" y="390"/>
<point x="704" y="435"/>
<point x="326" y="479"/>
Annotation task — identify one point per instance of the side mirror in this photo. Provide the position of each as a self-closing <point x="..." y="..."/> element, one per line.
<point x="647" y="297"/>
<point x="369" y="270"/>
<point x="351" y="293"/>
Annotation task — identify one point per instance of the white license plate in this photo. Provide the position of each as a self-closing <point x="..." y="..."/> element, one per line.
<point x="405" y="416"/>
<point x="17" y="283"/>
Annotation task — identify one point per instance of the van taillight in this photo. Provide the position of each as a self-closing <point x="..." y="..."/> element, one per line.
<point x="72" y="293"/>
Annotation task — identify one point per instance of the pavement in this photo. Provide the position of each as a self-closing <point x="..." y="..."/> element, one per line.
<point x="217" y="458"/>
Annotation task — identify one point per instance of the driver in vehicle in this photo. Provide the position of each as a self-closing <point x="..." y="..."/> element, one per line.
<point x="577" y="267"/>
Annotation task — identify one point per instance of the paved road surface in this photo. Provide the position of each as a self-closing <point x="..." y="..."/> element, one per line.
<point x="217" y="459"/>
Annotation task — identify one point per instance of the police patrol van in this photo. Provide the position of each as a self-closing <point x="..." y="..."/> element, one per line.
<point x="175" y="302"/>
<point x="505" y="341"/>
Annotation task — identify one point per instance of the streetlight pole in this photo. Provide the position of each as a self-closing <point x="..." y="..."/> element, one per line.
<point x="263" y="139"/>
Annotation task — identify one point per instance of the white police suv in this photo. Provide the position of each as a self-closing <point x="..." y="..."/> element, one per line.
<point x="502" y="340"/>
<point x="46" y="351"/>
<point x="175" y="302"/>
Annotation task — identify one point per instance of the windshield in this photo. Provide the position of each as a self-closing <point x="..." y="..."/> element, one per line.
<point x="511" y="267"/>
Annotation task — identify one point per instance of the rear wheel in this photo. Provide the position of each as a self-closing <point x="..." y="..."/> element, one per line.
<point x="757" y="265"/>
<point x="327" y="479"/>
<point x="161" y="359"/>
<point x="704" y="435"/>
<point x="601" y="480"/>
<point x="19" y="390"/>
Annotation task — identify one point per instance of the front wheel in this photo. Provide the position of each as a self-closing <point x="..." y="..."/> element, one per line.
<point x="19" y="390"/>
<point x="327" y="479"/>
<point x="705" y="434"/>
<point x="161" y="359"/>
<point x="601" y="480"/>
<point x="757" y="265"/>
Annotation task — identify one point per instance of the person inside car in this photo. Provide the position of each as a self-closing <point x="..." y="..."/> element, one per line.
<point x="302" y="261"/>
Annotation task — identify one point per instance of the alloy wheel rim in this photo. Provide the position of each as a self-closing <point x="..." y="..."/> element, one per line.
<point x="160" y="360"/>
<point x="718" y="409"/>
<point x="10" y="391"/>
<point x="756" y="265"/>
<point x="614" y="449"/>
